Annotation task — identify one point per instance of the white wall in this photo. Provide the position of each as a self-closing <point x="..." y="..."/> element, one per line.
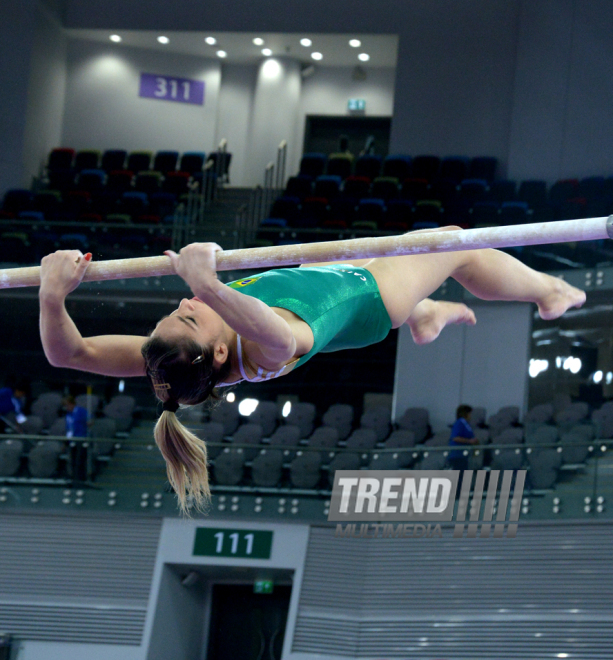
<point x="327" y="91"/>
<point x="46" y="92"/>
<point x="484" y="365"/>
<point x="18" y="21"/>
<point x="103" y="109"/>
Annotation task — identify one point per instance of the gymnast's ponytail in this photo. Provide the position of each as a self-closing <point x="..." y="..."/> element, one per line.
<point x="182" y="372"/>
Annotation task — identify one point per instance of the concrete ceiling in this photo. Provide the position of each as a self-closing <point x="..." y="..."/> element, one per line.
<point x="239" y="46"/>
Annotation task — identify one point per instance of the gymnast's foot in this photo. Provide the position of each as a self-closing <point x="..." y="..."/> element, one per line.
<point x="430" y="317"/>
<point x="559" y="297"/>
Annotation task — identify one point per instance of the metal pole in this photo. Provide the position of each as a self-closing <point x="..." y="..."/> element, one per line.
<point x="541" y="233"/>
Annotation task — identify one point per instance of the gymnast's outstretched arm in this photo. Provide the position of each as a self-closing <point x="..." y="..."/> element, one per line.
<point x="250" y="318"/>
<point x="108" y="355"/>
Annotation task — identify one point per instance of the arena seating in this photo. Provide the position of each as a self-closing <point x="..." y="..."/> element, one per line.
<point x="398" y="193"/>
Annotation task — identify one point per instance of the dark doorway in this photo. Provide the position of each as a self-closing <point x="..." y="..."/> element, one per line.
<point x="322" y="133"/>
<point x="247" y="625"/>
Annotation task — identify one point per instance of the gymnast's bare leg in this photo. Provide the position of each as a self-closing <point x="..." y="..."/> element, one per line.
<point x="489" y="274"/>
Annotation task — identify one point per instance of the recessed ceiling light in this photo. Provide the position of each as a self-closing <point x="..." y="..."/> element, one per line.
<point x="305" y="42"/>
<point x="222" y="53"/>
<point x="363" y="57"/>
<point x="211" y="41"/>
<point x="258" y="41"/>
<point x="355" y="43"/>
<point x="164" y="40"/>
<point x="317" y="56"/>
<point x="266" y="52"/>
<point x="115" y="37"/>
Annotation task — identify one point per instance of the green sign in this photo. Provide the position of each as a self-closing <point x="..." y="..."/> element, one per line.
<point x="262" y="587"/>
<point x="356" y="104"/>
<point x="223" y="542"/>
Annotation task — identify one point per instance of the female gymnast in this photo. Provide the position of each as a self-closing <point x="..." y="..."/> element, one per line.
<point x="265" y="326"/>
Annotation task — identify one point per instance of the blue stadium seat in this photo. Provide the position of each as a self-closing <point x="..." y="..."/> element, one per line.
<point x="313" y="164"/>
<point x="503" y="190"/>
<point x="426" y="167"/>
<point x="513" y="213"/>
<point x="327" y="186"/>
<point x="368" y="166"/>
<point x="165" y="161"/>
<point x="371" y="210"/>
<point x="300" y="186"/>
<point x="192" y="161"/>
<point x="398" y="166"/>
<point x="287" y="208"/>
<point x="483" y="167"/>
<point x="356" y="187"/>
<point x="455" y="168"/>
<point x="113" y="159"/>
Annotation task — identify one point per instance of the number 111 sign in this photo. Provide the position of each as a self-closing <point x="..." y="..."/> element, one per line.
<point x="170" y="88"/>
<point x="244" y="543"/>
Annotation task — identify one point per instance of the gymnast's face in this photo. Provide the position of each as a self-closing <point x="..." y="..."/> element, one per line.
<point x="197" y="321"/>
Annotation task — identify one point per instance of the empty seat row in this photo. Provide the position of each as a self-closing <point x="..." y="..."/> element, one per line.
<point x="399" y="166"/>
<point x="118" y="159"/>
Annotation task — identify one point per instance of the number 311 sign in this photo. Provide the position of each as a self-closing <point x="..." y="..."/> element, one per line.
<point x="169" y="88"/>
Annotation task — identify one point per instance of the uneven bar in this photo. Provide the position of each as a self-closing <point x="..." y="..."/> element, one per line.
<point x="542" y="233"/>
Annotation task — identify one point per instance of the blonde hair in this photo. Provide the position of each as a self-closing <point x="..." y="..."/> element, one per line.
<point x="182" y="371"/>
<point x="186" y="462"/>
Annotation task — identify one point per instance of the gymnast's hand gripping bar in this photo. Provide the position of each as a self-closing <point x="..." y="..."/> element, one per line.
<point x="541" y="233"/>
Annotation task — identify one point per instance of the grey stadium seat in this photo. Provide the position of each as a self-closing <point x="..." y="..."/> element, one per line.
<point x="58" y="427"/>
<point x="362" y="440"/>
<point x="432" y="460"/>
<point x="33" y="425"/>
<point x="47" y="407"/>
<point x="541" y="414"/>
<point x="401" y="439"/>
<point x="267" y="468"/>
<point x="440" y="439"/>
<point x="572" y="414"/>
<point x="211" y="432"/>
<point x="305" y="470"/>
<point x="226" y="413"/>
<point x="82" y="400"/>
<point x="580" y="449"/>
<point x="286" y="436"/>
<point x="544" y="466"/>
<point x="507" y="459"/>
<point x="386" y="461"/>
<point x="477" y="417"/>
<point x="10" y="457"/>
<point x="44" y="459"/>
<point x="378" y="419"/>
<point x="339" y="416"/>
<point x="415" y="420"/>
<point x="325" y="438"/>
<point x="266" y="415"/>
<point x="510" y="436"/>
<point x="542" y="435"/>
<point x="303" y="416"/>
<point x="105" y="429"/>
<point x="120" y="408"/>
<point x="603" y="420"/>
<point x="249" y="434"/>
<point x="345" y="460"/>
<point x="229" y="467"/>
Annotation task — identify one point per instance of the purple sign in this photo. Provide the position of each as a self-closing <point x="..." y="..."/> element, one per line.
<point x="168" y="88"/>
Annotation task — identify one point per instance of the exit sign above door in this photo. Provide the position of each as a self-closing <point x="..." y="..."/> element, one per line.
<point x="356" y="105"/>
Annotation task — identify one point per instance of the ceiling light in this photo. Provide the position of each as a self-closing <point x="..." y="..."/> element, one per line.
<point x="211" y="41"/>
<point x="115" y="37"/>
<point x="317" y="56"/>
<point x="258" y="41"/>
<point x="222" y="53"/>
<point x="164" y="40"/>
<point x="355" y="43"/>
<point x="363" y="57"/>
<point x="305" y="42"/>
<point x="266" y="52"/>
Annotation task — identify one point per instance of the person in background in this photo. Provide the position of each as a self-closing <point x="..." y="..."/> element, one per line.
<point x="12" y="401"/>
<point x="76" y="427"/>
<point x="461" y="434"/>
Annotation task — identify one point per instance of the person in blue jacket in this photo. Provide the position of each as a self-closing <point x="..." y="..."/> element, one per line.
<point x="76" y="427"/>
<point x="461" y="435"/>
